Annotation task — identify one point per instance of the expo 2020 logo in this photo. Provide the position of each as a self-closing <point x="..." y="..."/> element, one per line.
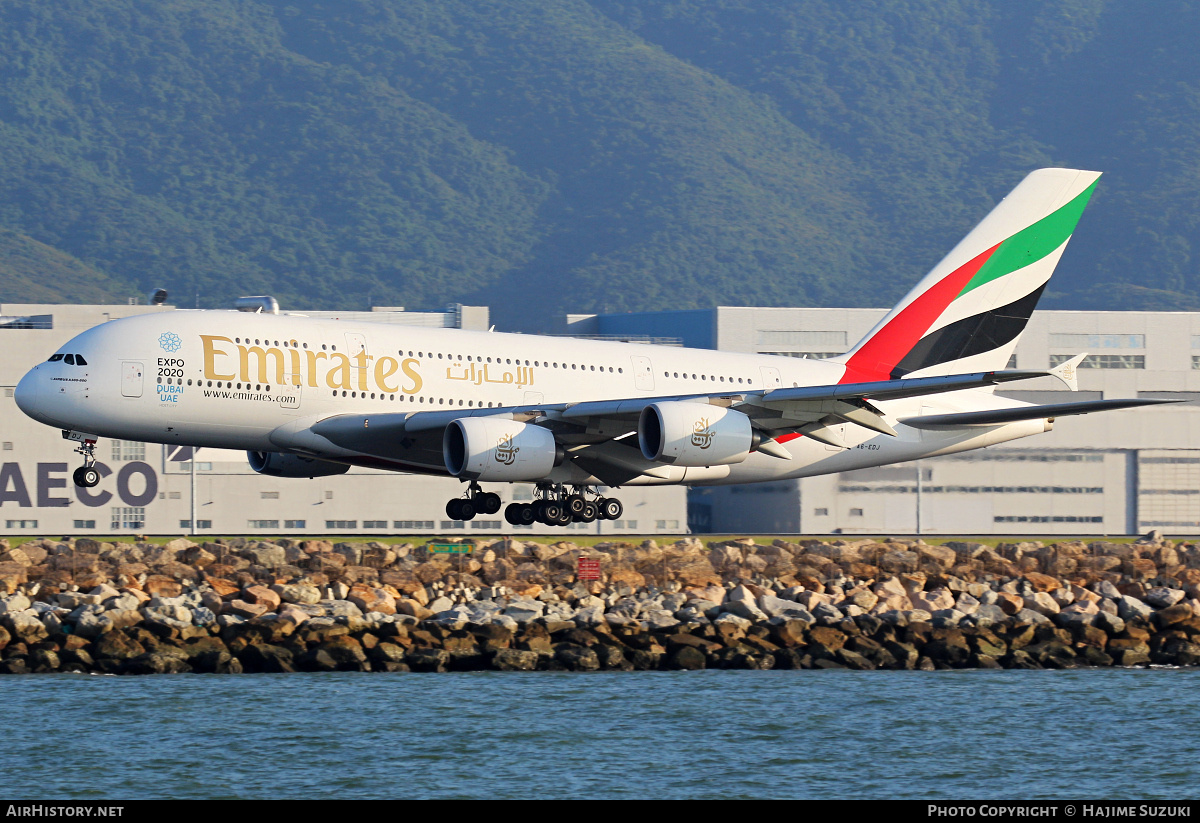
<point x="169" y="341"/>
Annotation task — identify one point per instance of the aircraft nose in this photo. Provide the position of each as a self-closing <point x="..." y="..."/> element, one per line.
<point x="26" y="393"/>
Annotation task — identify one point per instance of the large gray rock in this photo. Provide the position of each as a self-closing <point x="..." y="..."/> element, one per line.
<point x="14" y="603"/>
<point x="297" y="593"/>
<point x="1030" y="617"/>
<point x="1042" y="603"/>
<point x="657" y="619"/>
<point x="176" y="617"/>
<point x="25" y="626"/>
<point x="988" y="614"/>
<point x="745" y="608"/>
<point x="341" y="608"/>
<point x="827" y="614"/>
<point x="1104" y="588"/>
<point x="1160" y="597"/>
<point x="440" y="604"/>
<point x="93" y="624"/>
<point x="1130" y="607"/>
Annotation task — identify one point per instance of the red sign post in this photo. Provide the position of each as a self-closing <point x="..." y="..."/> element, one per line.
<point x="587" y="569"/>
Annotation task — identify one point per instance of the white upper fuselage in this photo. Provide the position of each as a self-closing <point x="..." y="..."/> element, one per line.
<point x="245" y="381"/>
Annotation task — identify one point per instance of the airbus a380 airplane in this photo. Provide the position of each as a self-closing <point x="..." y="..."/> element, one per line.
<point x="309" y="397"/>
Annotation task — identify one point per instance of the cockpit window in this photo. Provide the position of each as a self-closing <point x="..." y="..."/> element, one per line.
<point x="54" y="358"/>
<point x="70" y="360"/>
<point x="79" y="361"/>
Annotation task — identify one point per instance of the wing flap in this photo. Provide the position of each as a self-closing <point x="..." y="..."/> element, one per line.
<point x="994" y="417"/>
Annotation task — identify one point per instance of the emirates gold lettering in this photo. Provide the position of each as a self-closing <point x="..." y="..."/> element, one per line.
<point x="262" y="364"/>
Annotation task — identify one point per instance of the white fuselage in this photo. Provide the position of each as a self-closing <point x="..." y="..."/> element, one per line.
<point x="255" y="381"/>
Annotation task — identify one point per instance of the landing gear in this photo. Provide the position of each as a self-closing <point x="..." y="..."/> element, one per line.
<point x="86" y="476"/>
<point x="477" y="502"/>
<point x="555" y="506"/>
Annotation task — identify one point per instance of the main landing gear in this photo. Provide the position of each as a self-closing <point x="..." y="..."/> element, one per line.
<point x="556" y="507"/>
<point x="87" y="476"/>
<point x="476" y="502"/>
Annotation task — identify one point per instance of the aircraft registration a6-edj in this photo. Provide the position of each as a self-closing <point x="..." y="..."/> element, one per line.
<point x="310" y="397"/>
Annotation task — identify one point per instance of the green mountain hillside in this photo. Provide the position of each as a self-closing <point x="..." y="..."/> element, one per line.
<point x="572" y="155"/>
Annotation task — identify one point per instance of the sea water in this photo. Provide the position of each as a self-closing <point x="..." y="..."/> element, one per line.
<point x="1088" y="734"/>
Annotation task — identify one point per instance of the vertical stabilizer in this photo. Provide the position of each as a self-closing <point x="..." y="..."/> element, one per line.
<point x="968" y="312"/>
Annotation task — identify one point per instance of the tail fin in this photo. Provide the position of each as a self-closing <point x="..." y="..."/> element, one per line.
<point x="968" y="312"/>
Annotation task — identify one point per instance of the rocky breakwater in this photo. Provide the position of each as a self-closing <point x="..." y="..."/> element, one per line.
<point x="244" y="605"/>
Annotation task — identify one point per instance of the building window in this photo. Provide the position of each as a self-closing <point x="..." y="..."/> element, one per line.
<point x="22" y="524"/>
<point x="374" y="524"/>
<point x="9" y="392"/>
<point x="269" y="495"/>
<point x="328" y="495"/>
<point x="294" y="524"/>
<point x="128" y="450"/>
<point x="803" y="339"/>
<point x="412" y="524"/>
<point x="85" y="524"/>
<point x="453" y="524"/>
<point x="200" y="467"/>
<point x="1048" y="519"/>
<point x="174" y="495"/>
<point x="486" y="524"/>
<point x="1091" y="342"/>
<point x="856" y="512"/>
<point x="624" y="524"/>
<point x="262" y="524"/>
<point x="521" y="493"/>
<point x="1103" y="361"/>
<point x="8" y="445"/>
<point x="805" y="355"/>
<point x="1196" y="361"/>
<point x="666" y="524"/>
<point x="128" y="517"/>
<point x="341" y="524"/>
<point x="821" y="512"/>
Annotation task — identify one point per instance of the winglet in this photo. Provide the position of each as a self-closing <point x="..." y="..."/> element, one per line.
<point x="1068" y="372"/>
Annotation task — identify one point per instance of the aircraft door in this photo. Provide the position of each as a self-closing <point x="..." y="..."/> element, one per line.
<point x="643" y="373"/>
<point x="770" y="377"/>
<point x="131" y="378"/>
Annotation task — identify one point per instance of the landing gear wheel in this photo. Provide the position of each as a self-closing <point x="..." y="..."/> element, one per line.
<point x="86" y="477"/>
<point x="590" y="512"/>
<point x="487" y="503"/>
<point x="512" y="513"/>
<point x="610" y="508"/>
<point x="459" y="509"/>
<point x="553" y="513"/>
<point x="525" y="515"/>
<point x="576" y="504"/>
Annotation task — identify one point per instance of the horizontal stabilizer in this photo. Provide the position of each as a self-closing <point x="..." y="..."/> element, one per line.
<point x="995" y="417"/>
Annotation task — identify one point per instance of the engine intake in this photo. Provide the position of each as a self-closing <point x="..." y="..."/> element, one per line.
<point x="489" y="448"/>
<point x="694" y="434"/>
<point x="275" y="464"/>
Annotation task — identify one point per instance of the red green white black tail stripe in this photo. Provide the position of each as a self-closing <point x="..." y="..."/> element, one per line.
<point x="968" y="312"/>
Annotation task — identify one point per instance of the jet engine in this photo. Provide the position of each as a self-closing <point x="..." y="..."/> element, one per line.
<point x="489" y="448"/>
<point x="694" y="434"/>
<point x="276" y="464"/>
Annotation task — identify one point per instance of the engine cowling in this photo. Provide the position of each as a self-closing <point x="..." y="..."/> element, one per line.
<point x="489" y="448"/>
<point x="275" y="464"/>
<point x="694" y="434"/>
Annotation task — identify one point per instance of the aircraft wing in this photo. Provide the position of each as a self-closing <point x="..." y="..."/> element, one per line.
<point x="595" y="433"/>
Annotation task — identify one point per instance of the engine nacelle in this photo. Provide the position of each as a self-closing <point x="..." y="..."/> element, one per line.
<point x="694" y="434"/>
<point x="275" y="464"/>
<point x="491" y="448"/>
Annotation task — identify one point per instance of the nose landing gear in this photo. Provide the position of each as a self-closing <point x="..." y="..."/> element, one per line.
<point x="86" y="476"/>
